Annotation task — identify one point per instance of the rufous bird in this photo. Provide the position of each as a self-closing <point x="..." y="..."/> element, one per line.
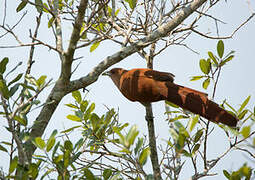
<point x="146" y="86"/>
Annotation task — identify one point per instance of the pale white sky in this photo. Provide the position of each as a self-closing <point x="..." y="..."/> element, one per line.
<point x="236" y="82"/>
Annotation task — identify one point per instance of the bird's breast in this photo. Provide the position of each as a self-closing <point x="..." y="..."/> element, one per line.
<point x="141" y="89"/>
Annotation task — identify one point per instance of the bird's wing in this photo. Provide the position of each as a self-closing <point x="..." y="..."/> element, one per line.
<point x="159" y="76"/>
<point x="165" y="76"/>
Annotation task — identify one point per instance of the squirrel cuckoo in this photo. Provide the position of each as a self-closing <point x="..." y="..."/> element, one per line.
<point x="146" y="86"/>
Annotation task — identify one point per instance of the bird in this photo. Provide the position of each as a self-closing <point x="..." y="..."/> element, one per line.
<point x="147" y="86"/>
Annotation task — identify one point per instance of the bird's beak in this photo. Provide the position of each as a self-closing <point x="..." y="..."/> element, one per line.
<point x="107" y="73"/>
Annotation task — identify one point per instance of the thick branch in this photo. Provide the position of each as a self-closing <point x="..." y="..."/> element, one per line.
<point x="66" y="64"/>
<point x="162" y="31"/>
<point x="59" y="90"/>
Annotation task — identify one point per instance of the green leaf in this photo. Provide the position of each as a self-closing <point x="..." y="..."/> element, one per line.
<point x="50" y="143"/>
<point x="68" y="145"/>
<point x="55" y="149"/>
<point x="58" y="158"/>
<point x="3" y="64"/>
<point x="206" y="83"/>
<point x="231" y="52"/>
<point x="211" y="55"/>
<point x="144" y="156"/>
<point x="246" y="101"/>
<point x="33" y="170"/>
<point x="54" y="133"/>
<point x="132" y="3"/>
<point x="3" y="148"/>
<point x="226" y="60"/>
<point x="84" y="105"/>
<point x="39" y="142"/>
<point x="95" y="121"/>
<point x="27" y="87"/>
<point x="242" y="114"/>
<point x="21" y="120"/>
<point x="181" y="142"/>
<point x="79" y="143"/>
<point x="117" y="131"/>
<point x="14" y="89"/>
<point x="246" y="131"/>
<point x="15" y="79"/>
<point x="130" y="137"/>
<point x="220" y="48"/>
<point x="50" y="22"/>
<point x="77" y="96"/>
<point x="230" y="107"/>
<point x="66" y="158"/>
<point x="39" y="5"/>
<point x="88" y="112"/>
<point x="186" y="153"/>
<point x="70" y="129"/>
<point x="73" y="118"/>
<point x="205" y="66"/>
<point x="4" y="89"/>
<point x="174" y="134"/>
<point x="107" y="174"/>
<point x="13" y="165"/>
<point x="102" y="27"/>
<point x="125" y="150"/>
<point x="45" y="7"/>
<point x="72" y="106"/>
<point x="196" y="147"/>
<point x="84" y="35"/>
<point x="94" y="46"/>
<point x="178" y="117"/>
<point x="192" y="122"/>
<point x="21" y="6"/>
<point x="41" y="81"/>
<point x="138" y="145"/>
<point x="195" y="78"/>
<point x="198" y="135"/>
<point x="226" y="174"/>
<point x="117" y="11"/>
<point x="109" y="11"/>
<point x="88" y="174"/>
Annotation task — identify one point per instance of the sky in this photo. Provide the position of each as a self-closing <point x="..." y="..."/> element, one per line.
<point x="235" y="84"/>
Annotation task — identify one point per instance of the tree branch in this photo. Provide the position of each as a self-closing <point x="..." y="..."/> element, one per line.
<point x="162" y="31"/>
<point x="152" y="143"/>
<point x="59" y="90"/>
<point x="62" y="87"/>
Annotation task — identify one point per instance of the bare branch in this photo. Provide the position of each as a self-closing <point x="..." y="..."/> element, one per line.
<point x="225" y="37"/>
<point x="10" y="29"/>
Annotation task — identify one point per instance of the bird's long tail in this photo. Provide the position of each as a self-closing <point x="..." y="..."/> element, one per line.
<point x="198" y="103"/>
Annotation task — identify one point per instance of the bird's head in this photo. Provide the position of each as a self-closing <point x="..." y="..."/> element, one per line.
<point x="114" y="72"/>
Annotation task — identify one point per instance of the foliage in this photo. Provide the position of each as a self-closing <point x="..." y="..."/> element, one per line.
<point x="106" y="149"/>
<point x="191" y="142"/>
